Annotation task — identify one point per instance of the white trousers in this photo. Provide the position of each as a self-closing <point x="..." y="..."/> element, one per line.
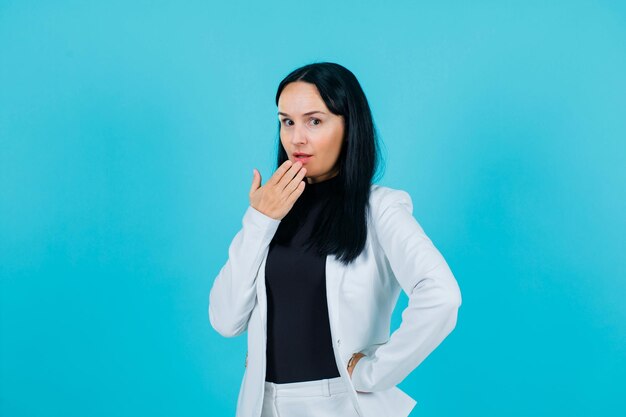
<point x="319" y="398"/>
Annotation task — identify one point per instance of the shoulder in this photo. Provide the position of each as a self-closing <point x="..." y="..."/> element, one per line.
<point x="382" y="198"/>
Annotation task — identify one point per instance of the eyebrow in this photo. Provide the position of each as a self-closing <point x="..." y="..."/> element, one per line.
<point x="305" y="114"/>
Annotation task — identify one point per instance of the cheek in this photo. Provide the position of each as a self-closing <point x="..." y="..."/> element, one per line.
<point x="332" y="142"/>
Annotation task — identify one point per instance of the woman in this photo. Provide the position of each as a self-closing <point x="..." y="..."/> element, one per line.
<point x="316" y="270"/>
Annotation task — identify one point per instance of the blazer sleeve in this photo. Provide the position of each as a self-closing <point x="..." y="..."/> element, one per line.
<point x="434" y="296"/>
<point x="233" y="293"/>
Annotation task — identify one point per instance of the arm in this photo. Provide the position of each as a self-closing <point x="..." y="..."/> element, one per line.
<point x="434" y="297"/>
<point x="233" y="293"/>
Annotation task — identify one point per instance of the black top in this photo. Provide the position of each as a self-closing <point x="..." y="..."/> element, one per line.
<point x="299" y="345"/>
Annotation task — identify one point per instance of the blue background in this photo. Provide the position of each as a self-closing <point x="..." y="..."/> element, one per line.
<point x="128" y="134"/>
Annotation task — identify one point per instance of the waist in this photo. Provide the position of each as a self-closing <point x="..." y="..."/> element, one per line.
<point x="324" y="387"/>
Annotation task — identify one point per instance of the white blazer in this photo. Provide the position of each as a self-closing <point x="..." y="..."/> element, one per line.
<point x="361" y="298"/>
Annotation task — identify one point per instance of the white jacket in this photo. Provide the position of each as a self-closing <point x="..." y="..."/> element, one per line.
<point x="361" y="298"/>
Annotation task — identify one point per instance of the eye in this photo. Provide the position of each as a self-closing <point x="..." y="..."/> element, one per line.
<point x="286" y="121"/>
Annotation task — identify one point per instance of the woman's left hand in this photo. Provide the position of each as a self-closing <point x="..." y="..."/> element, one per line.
<point x="351" y="365"/>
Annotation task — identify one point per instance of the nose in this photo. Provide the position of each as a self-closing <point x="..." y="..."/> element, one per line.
<point x="298" y="136"/>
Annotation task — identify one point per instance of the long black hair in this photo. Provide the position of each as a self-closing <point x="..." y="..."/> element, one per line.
<point x="341" y="227"/>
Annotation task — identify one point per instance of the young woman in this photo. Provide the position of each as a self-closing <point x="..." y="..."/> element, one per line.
<point x="316" y="270"/>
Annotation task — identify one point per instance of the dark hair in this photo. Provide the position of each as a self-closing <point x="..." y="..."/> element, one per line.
<point x="341" y="227"/>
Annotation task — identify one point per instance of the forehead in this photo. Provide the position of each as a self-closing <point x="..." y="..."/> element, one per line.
<point x="299" y="98"/>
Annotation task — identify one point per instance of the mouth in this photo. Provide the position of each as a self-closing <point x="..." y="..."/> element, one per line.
<point x="302" y="157"/>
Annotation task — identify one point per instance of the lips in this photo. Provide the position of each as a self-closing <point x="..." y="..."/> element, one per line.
<point x="297" y="154"/>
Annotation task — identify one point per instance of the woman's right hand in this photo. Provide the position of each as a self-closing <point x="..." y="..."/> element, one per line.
<point x="280" y="192"/>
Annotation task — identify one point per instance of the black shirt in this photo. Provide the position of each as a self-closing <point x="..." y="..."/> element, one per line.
<point x="299" y="345"/>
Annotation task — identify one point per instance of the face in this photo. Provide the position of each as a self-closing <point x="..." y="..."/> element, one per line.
<point x="308" y="127"/>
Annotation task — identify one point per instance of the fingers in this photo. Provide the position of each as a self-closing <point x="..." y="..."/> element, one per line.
<point x="256" y="180"/>
<point x="278" y="175"/>
<point x="296" y="186"/>
<point x="293" y="183"/>
<point x="283" y="188"/>
<point x="290" y="175"/>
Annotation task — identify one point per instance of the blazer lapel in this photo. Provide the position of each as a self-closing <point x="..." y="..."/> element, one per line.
<point x="334" y="276"/>
<point x="261" y="294"/>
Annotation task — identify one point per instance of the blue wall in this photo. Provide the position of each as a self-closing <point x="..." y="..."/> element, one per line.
<point x="128" y="134"/>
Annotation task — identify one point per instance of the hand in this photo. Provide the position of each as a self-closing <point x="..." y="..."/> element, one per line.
<point x="280" y="192"/>
<point x="351" y="366"/>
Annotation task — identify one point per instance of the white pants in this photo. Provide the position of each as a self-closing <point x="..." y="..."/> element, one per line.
<point x="319" y="398"/>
